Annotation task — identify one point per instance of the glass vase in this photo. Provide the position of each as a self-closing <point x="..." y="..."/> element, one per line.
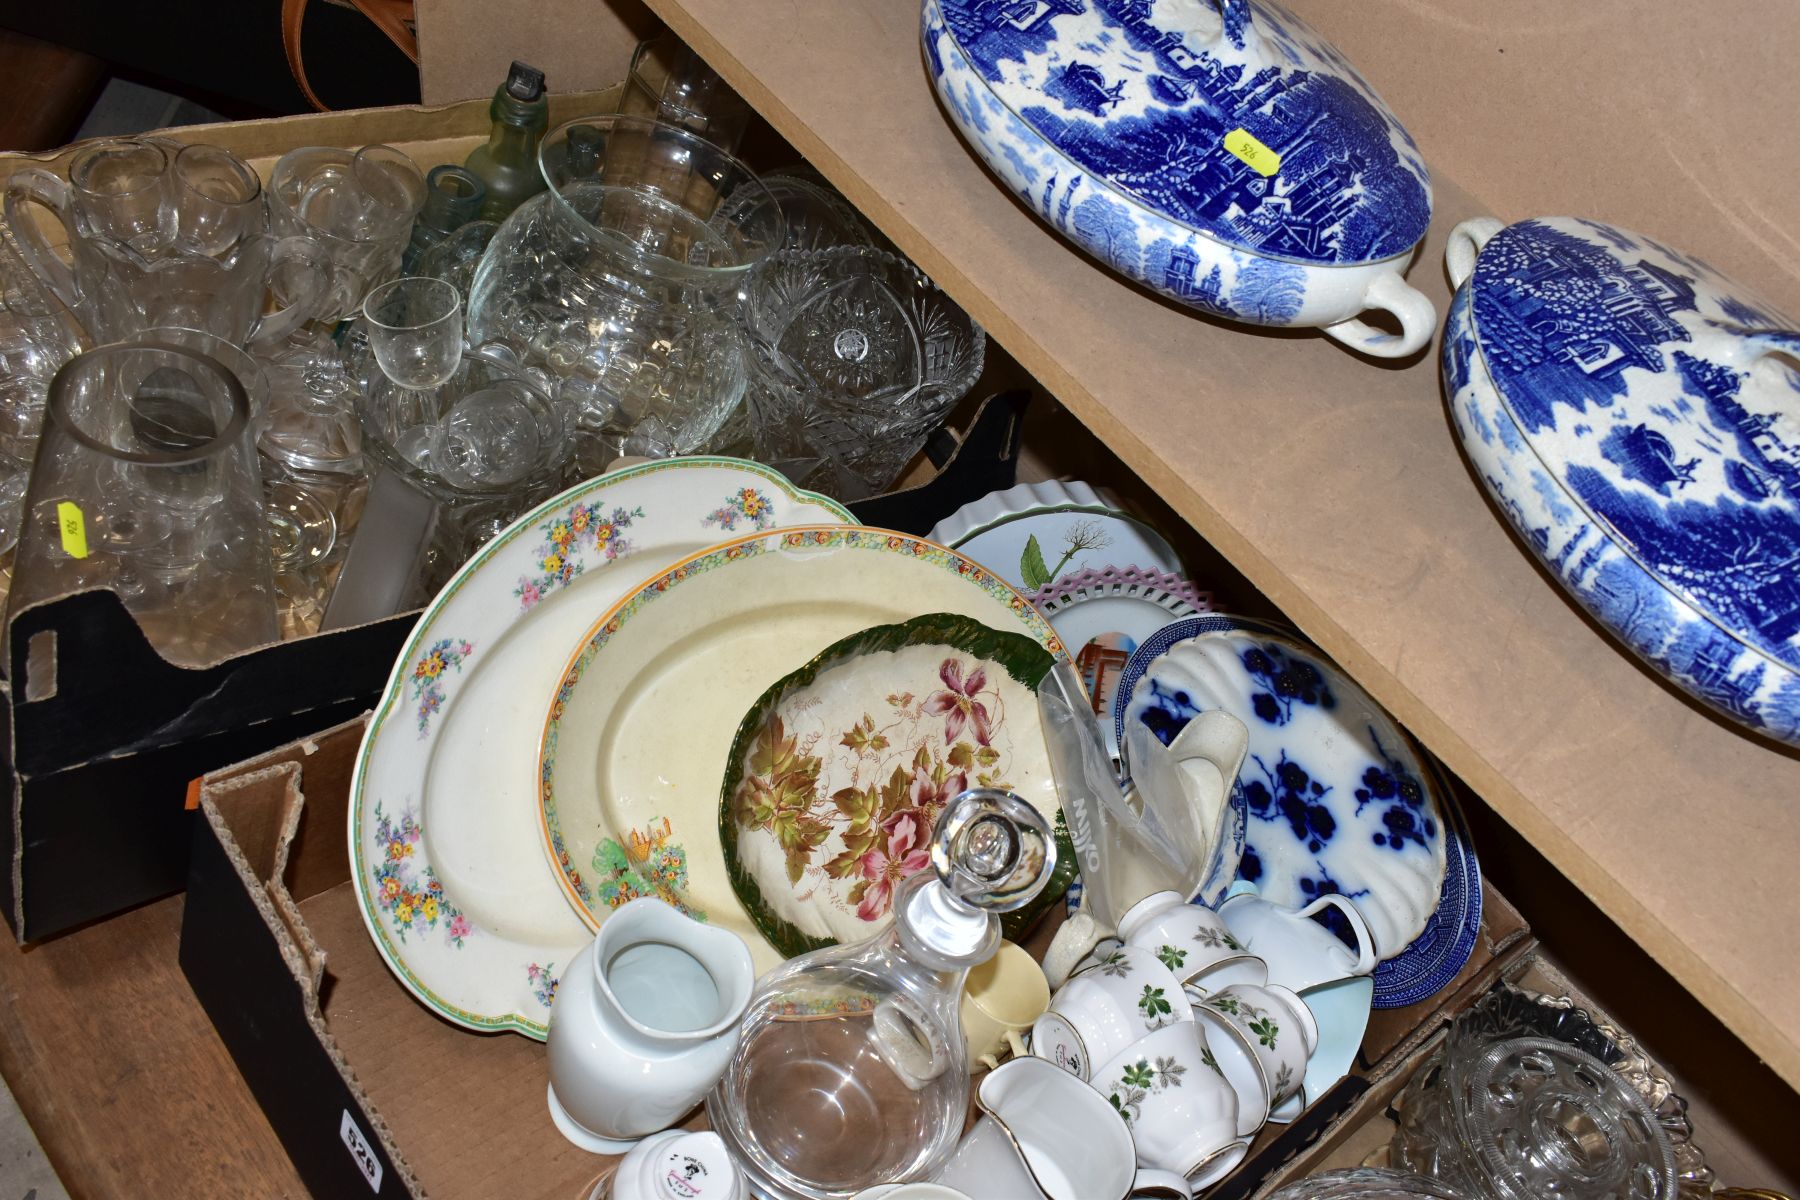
<point x="621" y="281"/>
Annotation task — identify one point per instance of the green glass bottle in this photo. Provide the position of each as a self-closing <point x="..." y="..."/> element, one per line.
<point x="508" y="163"/>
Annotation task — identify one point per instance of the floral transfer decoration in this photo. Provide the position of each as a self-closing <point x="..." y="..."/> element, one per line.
<point x="1142" y="1079"/>
<point x="843" y="768"/>
<point x="571" y="540"/>
<point x="445" y="655"/>
<point x="542" y="982"/>
<point x="746" y="504"/>
<point x="411" y="896"/>
<point x="648" y="864"/>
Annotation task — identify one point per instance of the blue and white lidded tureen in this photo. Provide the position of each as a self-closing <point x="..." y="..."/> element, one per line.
<point x="1219" y="151"/>
<point x="1637" y="417"/>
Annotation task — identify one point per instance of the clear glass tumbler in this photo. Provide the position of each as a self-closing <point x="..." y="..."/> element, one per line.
<point x="415" y="327"/>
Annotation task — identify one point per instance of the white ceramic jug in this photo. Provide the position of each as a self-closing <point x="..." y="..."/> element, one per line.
<point x="645" y="1019"/>
<point x="1301" y="953"/>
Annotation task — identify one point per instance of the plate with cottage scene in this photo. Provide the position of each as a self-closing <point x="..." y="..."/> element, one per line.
<point x="640" y="730"/>
<point x="1335" y="796"/>
<point x="839" y="771"/>
<point x="442" y="826"/>
<point x="1636" y="416"/>
<point x="1104" y="578"/>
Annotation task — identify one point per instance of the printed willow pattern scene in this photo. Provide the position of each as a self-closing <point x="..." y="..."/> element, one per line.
<point x="1703" y="487"/>
<point x="571" y="542"/>
<point x="428" y="680"/>
<point x="899" y="768"/>
<point x="744" y="505"/>
<point x="406" y="889"/>
<point x="1183" y="264"/>
<point x="1676" y="466"/>
<point x="1140" y="94"/>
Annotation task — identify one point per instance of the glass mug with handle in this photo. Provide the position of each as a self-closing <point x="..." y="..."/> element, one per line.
<point x="163" y="234"/>
<point x="356" y="208"/>
<point x="123" y="293"/>
<point x="114" y="192"/>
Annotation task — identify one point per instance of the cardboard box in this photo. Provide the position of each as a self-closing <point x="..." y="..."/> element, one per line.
<point x="101" y="738"/>
<point x="368" y="1089"/>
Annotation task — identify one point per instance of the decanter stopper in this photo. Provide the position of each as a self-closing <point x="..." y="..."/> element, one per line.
<point x="993" y="850"/>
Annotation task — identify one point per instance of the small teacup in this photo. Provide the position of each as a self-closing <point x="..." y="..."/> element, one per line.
<point x="1300" y="952"/>
<point x="1047" y="1136"/>
<point x="1280" y="1030"/>
<point x="1228" y="1051"/>
<point x="1192" y="941"/>
<point x="1182" y="1111"/>
<point x="1106" y="1007"/>
<point x="1001" y="999"/>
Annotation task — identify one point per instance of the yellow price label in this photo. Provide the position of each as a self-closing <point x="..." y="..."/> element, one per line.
<point x="73" y="527"/>
<point x="1255" y="155"/>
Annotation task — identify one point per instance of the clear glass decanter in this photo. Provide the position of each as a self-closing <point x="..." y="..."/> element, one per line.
<point x="851" y="1071"/>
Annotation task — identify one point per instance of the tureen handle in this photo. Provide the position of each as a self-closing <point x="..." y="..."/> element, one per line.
<point x="1390" y="293"/>
<point x="1466" y="242"/>
<point x="1759" y="344"/>
<point x="35" y="185"/>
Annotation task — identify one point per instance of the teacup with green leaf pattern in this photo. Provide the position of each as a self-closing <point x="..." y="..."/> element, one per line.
<point x="1122" y="995"/>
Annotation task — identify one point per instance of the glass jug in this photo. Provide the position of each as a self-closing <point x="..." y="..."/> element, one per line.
<point x="851" y="1070"/>
<point x="620" y="281"/>
<point x="146" y="484"/>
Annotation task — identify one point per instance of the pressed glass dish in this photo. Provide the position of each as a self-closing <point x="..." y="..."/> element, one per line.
<point x="856" y="358"/>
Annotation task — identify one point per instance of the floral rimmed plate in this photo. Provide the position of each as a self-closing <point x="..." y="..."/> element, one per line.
<point x="838" y="773"/>
<point x="640" y="730"/>
<point x="1335" y="796"/>
<point x="442" y="827"/>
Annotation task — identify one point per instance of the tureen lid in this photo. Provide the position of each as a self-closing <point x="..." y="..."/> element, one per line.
<point x="1665" y="401"/>
<point x="1231" y="117"/>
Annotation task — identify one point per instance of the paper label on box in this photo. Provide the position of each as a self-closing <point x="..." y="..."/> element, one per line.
<point x="1255" y="155"/>
<point x="72" y="526"/>
<point x="366" y="1159"/>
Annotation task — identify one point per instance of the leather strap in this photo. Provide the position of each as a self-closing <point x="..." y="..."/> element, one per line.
<point x="392" y="17"/>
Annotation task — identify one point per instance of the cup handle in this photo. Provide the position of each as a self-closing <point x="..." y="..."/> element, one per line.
<point x="1465" y="245"/>
<point x="1165" y="1185"/>
<point x="1072" y="943"/>
<point x="1390" y="293"/>
<point x="299" y="254"/>
<point x="38" y="186"/>
<point x="1366" y="958"/>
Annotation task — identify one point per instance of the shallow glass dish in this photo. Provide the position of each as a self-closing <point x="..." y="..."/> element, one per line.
<point x="856" y="358"/>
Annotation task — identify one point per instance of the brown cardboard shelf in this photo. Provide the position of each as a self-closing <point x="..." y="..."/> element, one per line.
<point x="1337" y="487"/>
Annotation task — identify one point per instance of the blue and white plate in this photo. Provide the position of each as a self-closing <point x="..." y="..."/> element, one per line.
<point x="1222" y="153"/>
<point x="1335" y="797"/>
<point x="1637" y="418"/>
